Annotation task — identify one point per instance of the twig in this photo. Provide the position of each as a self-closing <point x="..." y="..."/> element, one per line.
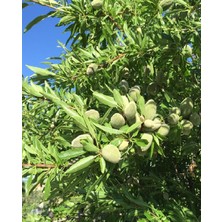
<point x="50" y="6"/>
<point x="40" y="165"/>
<point x="117" y="57"/>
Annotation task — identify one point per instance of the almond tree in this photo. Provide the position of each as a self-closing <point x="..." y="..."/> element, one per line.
<point x="111" y="131"/>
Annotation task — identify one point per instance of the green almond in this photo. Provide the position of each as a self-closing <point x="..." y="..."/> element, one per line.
<point x="149" y="138"/>
<point x="150" y="109"/>
<point x="76" y="143"/>
<point x="134" y="94"/>
<point x="186" y="127"/>
<point x="111" y="153"/>
<point x="117" y="121"/>
<point x="130" y="110"/>
<point x="125" y="101"/>
<point x="124" y="85"/>
<point x="186" y="124"/>
<point x="148" y="123"/>
<point x="124" y="145"/>
<point x="163" y="130"/>
<point x="175" y="110"/>
<point x="186" y="107"/>
<point x="97" y="4"/>
<point x="173" y="119"/>
<point x="195" y="119"/>
<point x="93" y="114"/>
<point x="91" y="69"/>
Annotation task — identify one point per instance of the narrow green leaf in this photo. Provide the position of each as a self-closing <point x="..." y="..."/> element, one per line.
<point x="78" y="119"/>
<point x="40" y="178"/>
<point x="81" y="164"/>
<point x="127" y="32"/>
<point x="140" y="142"/>
<point x="38" y="145"/>
<point x="151" y="151"/>
<point x="148" y="216"/>
<point x="53" y="151"/>
<point x="167" y="97"/>
<point x="28" y="184"/>
<point x="118" y="98"/>
<point x="134" y="200"/>
<point x="39" y="151"/>
<point x="36" y="88"/>
<point x="103" y="119"/>
<point x="68" y="154"/>
<point x="108" y="129"/>
<point x="30" y="149"/>
<point x="141" y="104"/>
<point x="91" y="188"/>
<point x="182" y="2"/>
<point x="78" y="100"/>
<point x="87" y="53"/>
<point x="89" y="125"/>
<point x="31" y="89"/>
<point x="66" y="20"/>
<point x="40" y="71"/>
<point x="53" y="98"/>
<point x="116" y="141"/>
<point x="164" y="3"/>
<point x="37" y="20"/>
<point x="133" y="127"/>
<point x="47" y="189"/>
<point x="24" y="5"/>
<point x="62" y="141"/>
<point x="160" y="151"/>
<point x="89" y="147"/>
<point x="156" y="140"/>
<point x="106" y="100"/>
<point x="102" y="164"/>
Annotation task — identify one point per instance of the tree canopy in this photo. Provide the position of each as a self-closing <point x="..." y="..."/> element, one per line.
<point x="111" y="129"/>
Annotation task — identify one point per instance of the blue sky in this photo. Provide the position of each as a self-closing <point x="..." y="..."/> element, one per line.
<point x="40" y="42"/>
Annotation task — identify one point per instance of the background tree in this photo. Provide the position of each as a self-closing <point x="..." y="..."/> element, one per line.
<point x="112" y="131"/>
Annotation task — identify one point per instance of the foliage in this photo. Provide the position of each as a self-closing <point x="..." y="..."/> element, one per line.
<point x="130" y="76"/>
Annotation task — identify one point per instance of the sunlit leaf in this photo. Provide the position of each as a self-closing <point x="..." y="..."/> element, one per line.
<point x="37" y="20"/>
<point x="81" y="164"/>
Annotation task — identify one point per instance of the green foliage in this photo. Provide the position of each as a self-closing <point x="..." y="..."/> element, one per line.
<point x="138" y="60"/>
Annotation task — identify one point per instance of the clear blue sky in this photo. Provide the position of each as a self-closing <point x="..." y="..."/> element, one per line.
<point x="40" y="42"/>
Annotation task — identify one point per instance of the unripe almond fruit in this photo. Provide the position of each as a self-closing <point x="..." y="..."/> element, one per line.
<point x="134" y="94"/>
<point x="76" y="143"/>
<point x="173" y="119"/>
<point x="124" y="86"/>
<point x="150" y="109"/>
<point x="156" y="124"/>
<point x="125" y="101"/>
<point x="117" y="121"/>
<point x="175" y="110"/>
<point x="97" y="4"/>
<point x="148" y="123"/>
<point x="186" y="127"/>
<point x="130" y="110"/>
<point x="149" y="138"/>
<point x="163" y="130"/>
<point x="93" y="114"/>
<point x="124" y="145"/>
<point x="152" y="89"/>
<point x="187" y="50"/>
<point x="111" y="153"/>
<point x="195" y="119"/>
<point x="92" y="68"/>
<point x="186" y="107"/>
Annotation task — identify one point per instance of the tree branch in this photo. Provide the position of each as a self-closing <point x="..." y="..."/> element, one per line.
<point x="40" y="165"/>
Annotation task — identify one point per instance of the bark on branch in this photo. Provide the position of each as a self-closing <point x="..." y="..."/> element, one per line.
<point x="40" y="165"/>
